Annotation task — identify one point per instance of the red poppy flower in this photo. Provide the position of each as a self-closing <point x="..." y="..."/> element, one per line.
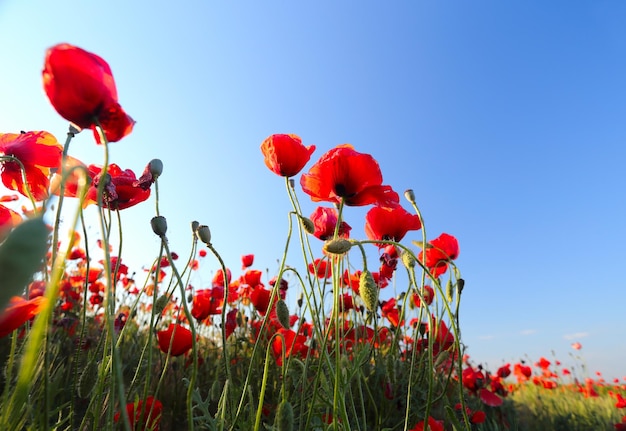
<point x="8" y="220"/>
<point x="143" y="416"/>
<point x="18" y="312"/>
<point x="285" y="155"/>
<point x="390" y="224"/>
<point x="433" y="425"/>
<point x="294" y="345"/>
<point x="207" y="302"/>
<point x="38" y="152"/>
<point x="178" y="336"/>
<point x="120" y="191"/>
<point x="320" y="268"/>
<point x="81" y="88"/>
<point x="428" y="293"/>
<point x="247" y="260"/>
<point x="325" y="220"/>
<point x="260" y="298"/>
<point x="218" y="278"/>
<point x="345" y="174"/>
<point x="489" y="398"/>
<point x="442" y="249"/>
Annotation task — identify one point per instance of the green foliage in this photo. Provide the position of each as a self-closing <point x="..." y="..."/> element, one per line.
<point x="21" y="256"/>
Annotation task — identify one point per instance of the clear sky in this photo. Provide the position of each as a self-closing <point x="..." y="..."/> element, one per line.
<point x="506" y="118"/>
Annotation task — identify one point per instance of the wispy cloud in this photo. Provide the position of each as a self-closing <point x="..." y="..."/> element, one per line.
<point x="528" y="332"/>
<point x="576" y="335"/>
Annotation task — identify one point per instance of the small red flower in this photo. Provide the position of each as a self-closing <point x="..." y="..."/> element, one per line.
<point x="428" y="293"/>
<point x="120" y="190"/>
<point x="143" y="416"/>
<point x="345" y="174"/>
<point x="178" y="336"/>
<point x="325" y="221"/>
<point x="390" y="224"/>
<point x="285" y="155"/>
<point x="18" y="312"/>
<point x="81" y="88"/>
<point x="320" y="268"/>
<point x="247" y="260"/>
<point x="577" y="346"/>
<point x="38" y="152"/>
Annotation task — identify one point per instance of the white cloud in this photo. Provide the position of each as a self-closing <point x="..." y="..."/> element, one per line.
<point x="528" y="331"/>
<point x="576" y="335"/>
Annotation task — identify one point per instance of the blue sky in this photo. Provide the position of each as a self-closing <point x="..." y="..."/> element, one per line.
<point x="506" y="118"/>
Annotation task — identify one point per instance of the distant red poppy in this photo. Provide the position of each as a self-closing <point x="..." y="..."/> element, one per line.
<point x="345" y="174"/>
<point x="294" y="345"/>
<point x="320" y="268"/>
<point x="81" y="88"/>
<point x="390" y="224"/>
<point x="143" y="416"/>
<point x="428" y="293"/>
<point x="432" y="425"/>
<point x="182" y="339"/>
<point x="325" y="221"/>
<point x="218" y="278"/>
<point x="18" y="312"/>
<point x="577" y="346"/>
<point x="285" y="155"/>
<point x="442" y="249"/>
<point x="120" y="191"/>
<point x="247" y="260"/>
<point x="39" y="152"/>
<point x="489" y="398"/>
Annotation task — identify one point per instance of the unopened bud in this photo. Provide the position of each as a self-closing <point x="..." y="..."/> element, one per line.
<point x="160" y="304"/>
<point x="408" y="260"/>
<point x="284" y="417"/>
<point x="368" y="291"/>
<point x="337" y="246"/>
<point x="156" y="168"/>
<point x="409" y="195"/>
<point x="449" y="291"/>
<point x="307" y="224"/>
<point x="460" y="284"/>
<point x="204" y="234"/>
<point x="194" y="226"/>
<point x="282" y="313"/>
<point x="159" y="225"/>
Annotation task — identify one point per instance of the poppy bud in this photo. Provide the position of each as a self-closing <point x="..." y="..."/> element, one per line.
<point x="368" y="290"/>
<point x="460" y="284"/>
<point x="408" y="260"/>
<point x="194" y="226"/>
<point x="449" y="291"/>
<point x="307" y="224"/>
<point x="284" y="417"/>
<point x="156" y="168"/>
<point x="160" y="304"/>
<point x="282" y="313"/>
<point x="159" y="225"/>
<point x="337" y="246"/>
<point x="410" y="196"/>
<point x="204" y="234"/>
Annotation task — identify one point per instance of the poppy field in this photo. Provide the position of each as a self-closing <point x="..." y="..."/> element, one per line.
<point x="87" y="343"/>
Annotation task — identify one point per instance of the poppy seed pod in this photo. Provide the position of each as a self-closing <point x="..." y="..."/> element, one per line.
<point x="410" y="195"/>
<point x="368" y="291"/>
<point x="337" y="246"/>
<point x="156" y="168"/>
<point x="159" y="225"/>
<point x="194" y="226"/>
<point x="204" y="234"/>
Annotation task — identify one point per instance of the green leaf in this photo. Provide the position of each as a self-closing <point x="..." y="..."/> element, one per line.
<point x="421" y="245"/>
<point x="21" y="256"/>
